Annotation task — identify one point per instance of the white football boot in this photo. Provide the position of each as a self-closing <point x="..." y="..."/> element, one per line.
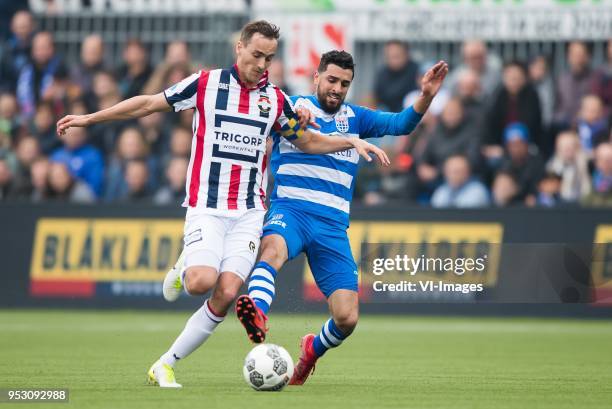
<point x="163" y="375"/>
<point x="172" y="286"/>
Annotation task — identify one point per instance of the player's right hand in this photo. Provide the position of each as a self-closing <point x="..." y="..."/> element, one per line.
<point x="364" y="149"/>
<point x="70" y="121"/>
<point x="306" y="118"/>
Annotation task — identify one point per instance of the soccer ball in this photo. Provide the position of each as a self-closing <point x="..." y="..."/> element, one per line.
<point x="268" y="367"/>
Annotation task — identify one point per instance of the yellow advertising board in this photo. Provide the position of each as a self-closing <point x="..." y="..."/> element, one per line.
<point x="74" y="249"/>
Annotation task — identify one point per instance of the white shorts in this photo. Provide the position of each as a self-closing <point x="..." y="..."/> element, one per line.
<point x="224" y="243"/>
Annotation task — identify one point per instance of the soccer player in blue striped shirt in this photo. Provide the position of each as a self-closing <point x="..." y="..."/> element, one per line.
<point x="310" y="205"/>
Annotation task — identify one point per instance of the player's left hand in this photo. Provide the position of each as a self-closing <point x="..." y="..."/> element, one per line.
<point x="306" y="118"/>
<point x="434" y="77"/>
<point x="364" y="149"/>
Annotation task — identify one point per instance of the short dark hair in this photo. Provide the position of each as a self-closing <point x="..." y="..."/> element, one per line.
<point x="262" y="27"/>
<point x="399" y="43"/>
<point x="342" y="59"/>
<point x="518" y="64"/>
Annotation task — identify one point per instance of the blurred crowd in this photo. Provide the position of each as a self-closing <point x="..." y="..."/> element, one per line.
<point x="499" y="133"/>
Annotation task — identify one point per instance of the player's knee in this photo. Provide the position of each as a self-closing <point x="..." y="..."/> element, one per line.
<point x="199" y="280"/>
<point x="225" y="295"/>
<point x="271" y="254"/>
<point x="347" y="320"/>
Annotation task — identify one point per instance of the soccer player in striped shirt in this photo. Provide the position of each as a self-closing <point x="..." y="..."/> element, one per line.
<point x="235" y="110"/>
<point x="310" y="206"/>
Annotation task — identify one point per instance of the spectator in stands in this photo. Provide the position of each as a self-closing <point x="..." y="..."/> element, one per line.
<point x="544" y="84"/>
<point x="603" y="80"/>
<point x="37" y="76"/>
<point x="9" y="119"/>
<point x="92" y="62"/>
<point x="505" y="190"/>
<point x="65" y="187"/>
<point x="177" y="54"/>
<point x="454" y="135"/>
<point x="542" y="80"/>
<point x="185" y="119"/>
<point x="515" y="101"/>
<point x="375" y="183"/>
<point x="396" y="78"/>
<point x="477" y="58"/>
<point x="549" y="191"/>
<point x="180" y="142"/>
<point x="525" y="165"/>
<point x="82" y="160"/>
<point x="130" y="146"/>
<point x="438" y="103"/>
<point x="6" y="180"/>
<point x="106" y="90"/>
<point x="601" y="194"/>
<point x="459" y="189"/>
<point x="156" y="132"/>
<point x="26" y="151"/>
<point x="136" y="72"/>
<point x="173" y="191"/>
<point x="137" y="182"/>
<point x="61" y="92"/>
<point x="15" y="53"/>
<point x="42" y="126"/>
<point x="39" y="173"/>
<point x="573" y="84"/>
<point x="175" y="74"/>
<point x="572" y="163"/>
<point x="592" y="124"/>
<point x="276" y="75"/>
<point x="469" y="91"/>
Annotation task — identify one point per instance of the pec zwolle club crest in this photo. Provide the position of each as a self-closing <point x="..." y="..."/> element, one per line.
<point x="342" y="124"/>
<point x="263" y="103"/>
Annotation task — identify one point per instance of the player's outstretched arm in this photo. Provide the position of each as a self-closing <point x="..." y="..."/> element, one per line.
<point x="314" y="142"/>
<point x="430" y="85"/>
<point x="136" y="107"/>
<point x="375" y="124"/>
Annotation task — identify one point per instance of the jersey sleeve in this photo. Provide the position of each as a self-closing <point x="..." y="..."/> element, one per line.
<point x="287" y="123"/>
<point x="376" y="124"/>
<point x="183" y="94"/>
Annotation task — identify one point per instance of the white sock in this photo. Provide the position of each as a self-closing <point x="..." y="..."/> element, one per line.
<point x="197" y="330"/>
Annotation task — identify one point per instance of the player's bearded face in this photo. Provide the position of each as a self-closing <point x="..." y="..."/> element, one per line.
<point x="332" y="86"/>
<point x="254" y="57"/>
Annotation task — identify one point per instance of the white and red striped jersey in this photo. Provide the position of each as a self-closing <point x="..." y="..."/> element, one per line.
<point x="231" y="123"/>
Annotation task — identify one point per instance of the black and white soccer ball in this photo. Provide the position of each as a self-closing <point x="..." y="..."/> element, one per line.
<point x="268" y="367"/>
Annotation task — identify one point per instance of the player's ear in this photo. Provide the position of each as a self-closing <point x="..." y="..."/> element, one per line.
<point x="239" y="46"/>
<point x="316" y="77"/>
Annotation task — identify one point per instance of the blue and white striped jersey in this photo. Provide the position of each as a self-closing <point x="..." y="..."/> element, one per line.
<point x="323" y="184"/>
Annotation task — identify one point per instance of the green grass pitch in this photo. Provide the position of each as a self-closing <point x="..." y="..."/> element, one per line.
<point x="389" y="362"/>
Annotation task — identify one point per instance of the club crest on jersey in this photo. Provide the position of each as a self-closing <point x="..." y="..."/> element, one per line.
<point x="342" y="124"/>
<point x="264" y="104"/>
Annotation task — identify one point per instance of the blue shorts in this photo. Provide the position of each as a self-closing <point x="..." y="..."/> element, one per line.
<point x="325" y="243"/>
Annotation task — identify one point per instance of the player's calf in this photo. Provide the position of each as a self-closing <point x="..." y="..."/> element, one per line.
<point x="225" y="292"/>
<point x="346" y="320"/>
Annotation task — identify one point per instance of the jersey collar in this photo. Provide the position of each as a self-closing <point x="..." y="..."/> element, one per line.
<point x="262" y="82"/>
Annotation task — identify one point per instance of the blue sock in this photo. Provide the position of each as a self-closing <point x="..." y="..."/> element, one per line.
<point x="329" y="337"/>
<point x="261" y="285"/>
